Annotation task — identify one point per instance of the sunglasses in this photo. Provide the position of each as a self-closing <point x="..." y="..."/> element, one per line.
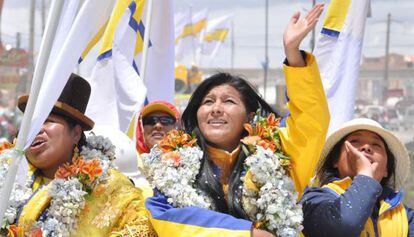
<point x="164" y="120"/>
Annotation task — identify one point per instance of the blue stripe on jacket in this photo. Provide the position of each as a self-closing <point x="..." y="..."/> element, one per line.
<point x="161" y="210"/>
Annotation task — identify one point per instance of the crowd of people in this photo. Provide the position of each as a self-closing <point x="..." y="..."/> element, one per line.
<point x="7" y="124"/>
<point x="228" y="166"/>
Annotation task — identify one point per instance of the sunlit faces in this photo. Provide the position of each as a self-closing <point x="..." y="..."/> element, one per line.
<point x="156" y="125"/>
<point x="372" y="146"/>
<point x="221" y="116"/>
<point x="54" y="145"/>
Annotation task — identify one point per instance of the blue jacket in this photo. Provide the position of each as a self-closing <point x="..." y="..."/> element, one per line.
<point x="326" y="213"/>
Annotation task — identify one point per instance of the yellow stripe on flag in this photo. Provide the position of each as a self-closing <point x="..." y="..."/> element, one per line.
<point x="117" y="13"/>
<point x="132" y="127"/>
<point x="138" y="17"/>
<point x="217" y="35"/>
<point x="192" y="29"/>
<point x="336" y="15"/>
<point x="94" y="41"/>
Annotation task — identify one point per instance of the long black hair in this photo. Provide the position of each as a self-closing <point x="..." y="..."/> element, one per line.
<point x="207" y="180"/>
<point x="327" y="172"/>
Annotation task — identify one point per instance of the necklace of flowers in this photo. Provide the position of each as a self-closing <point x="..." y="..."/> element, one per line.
<point x="268" y="197"/>
<point x="72" y="183"/>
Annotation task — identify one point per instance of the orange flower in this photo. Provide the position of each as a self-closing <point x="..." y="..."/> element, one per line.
<point x="36" y="233"/>
<point x="249" y="129"/>
<point x="63" y="172"/>
<point x="15" y="231"/>
<point x="78" y="164"/>
<point x="174" y="156"/>
<point x="272" y="121"/>
<point x="251" y="140"/>
<point x="92" y="169"/>
<point x="5" y="145"/>
<point x="267" y="144"/>
<point x="259" y="130"/>
<point x="176" y="139"/>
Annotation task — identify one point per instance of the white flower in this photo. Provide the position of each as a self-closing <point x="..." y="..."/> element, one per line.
<point x="177" y="183"/>
<point x="67" y="196"/>
<point x="275" y="203"/>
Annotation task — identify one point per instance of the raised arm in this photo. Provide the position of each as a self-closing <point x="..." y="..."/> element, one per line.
<point x="304" y="135"/>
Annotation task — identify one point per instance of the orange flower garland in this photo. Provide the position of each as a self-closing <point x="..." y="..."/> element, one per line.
<point x="265" y="133"/>
<point x="176" y="139"/>
<point x="85" y="171"/>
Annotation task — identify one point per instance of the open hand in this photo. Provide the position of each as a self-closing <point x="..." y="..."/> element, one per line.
<point x="298" y="28"/>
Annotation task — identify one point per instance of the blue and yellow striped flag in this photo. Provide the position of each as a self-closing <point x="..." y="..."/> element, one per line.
<point x="338" y="52"/>
<point x="117" y="90"/>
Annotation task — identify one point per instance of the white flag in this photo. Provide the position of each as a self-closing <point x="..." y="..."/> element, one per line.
<point x="190" y="29"/>
<point x="117" y="91"/>
<point x="216" y="33"/>
<point x="92" y="16"/>
<point x="338" y="52"/>
<point x="159" y="75"/>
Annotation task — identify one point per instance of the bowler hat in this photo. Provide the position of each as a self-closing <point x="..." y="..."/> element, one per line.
<point x="71" y="103"/>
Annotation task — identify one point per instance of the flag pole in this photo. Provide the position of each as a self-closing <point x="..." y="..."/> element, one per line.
<point x="146" y="40"/>
<point x="45" y="49"/>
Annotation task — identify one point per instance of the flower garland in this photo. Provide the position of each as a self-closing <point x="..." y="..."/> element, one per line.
<point x="72" y="183"/>
<point x="268" y="195"/>
<point x="20" y="193"/>
<point x="172" y="168"/>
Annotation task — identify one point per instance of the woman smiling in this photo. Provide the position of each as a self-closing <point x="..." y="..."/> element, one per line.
<point x="222" y="172"/>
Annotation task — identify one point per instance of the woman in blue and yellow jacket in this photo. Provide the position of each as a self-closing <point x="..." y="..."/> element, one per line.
<point x="216" y="113"/>
<point x="361" y="168"/>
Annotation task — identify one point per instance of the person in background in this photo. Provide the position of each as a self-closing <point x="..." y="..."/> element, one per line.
<point x="361" y="173"/>
<point x="155" y="120"/>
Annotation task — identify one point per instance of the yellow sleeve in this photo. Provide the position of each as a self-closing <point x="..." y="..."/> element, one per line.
<point x="134" y="222"/>
<point x="304" y="136"/>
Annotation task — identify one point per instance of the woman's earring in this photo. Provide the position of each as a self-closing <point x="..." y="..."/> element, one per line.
<point x="76" y="151"/>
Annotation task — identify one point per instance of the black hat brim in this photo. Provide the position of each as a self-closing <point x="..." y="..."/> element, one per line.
<point x="62" y="109"/>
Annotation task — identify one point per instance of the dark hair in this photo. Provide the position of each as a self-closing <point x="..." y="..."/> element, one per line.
<point x="328" y="173"/>
<point x="207" y="180"/>
<point x="72" y="123"/>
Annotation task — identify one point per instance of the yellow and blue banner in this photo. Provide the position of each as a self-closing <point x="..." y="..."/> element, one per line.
<point x="115" y="82"/>
<point x="216" y="33"/>
<point x="338" y="52"/>
<point x="189" y="32"/>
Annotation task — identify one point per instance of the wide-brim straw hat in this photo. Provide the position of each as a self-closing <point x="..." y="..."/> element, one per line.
<point x="71" y="103"/>
<point x="396" y="147"/>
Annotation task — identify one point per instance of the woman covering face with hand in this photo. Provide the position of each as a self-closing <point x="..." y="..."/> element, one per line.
<point x="362" y="169"/>
<point x="72" y="188"/>
<point x="216" y="115"/>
